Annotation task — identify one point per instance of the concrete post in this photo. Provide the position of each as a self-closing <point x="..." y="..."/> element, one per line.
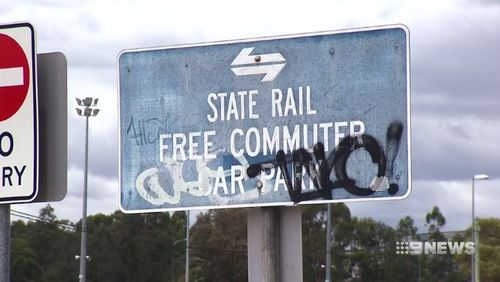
<point x="274" y="244"/>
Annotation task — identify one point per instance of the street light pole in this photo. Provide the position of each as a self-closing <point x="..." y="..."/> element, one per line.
<point x="83" y="243"/>
<point x="475" y="257"/>
<point x="88" y="110"/>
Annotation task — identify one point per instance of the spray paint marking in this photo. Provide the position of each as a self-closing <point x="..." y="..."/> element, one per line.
<point x="320" y="169"/>
<point x="317" y="166"/>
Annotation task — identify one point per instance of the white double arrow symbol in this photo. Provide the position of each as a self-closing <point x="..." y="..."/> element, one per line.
<point x="258" y="64"/>
<point x="11" y="76"/>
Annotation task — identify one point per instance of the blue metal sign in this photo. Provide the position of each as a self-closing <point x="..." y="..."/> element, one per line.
<point x="297" y="119"/>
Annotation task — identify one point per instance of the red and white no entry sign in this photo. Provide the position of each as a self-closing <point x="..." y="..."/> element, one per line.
<point x="14" y="76"/>
<point x="18" y="114"/>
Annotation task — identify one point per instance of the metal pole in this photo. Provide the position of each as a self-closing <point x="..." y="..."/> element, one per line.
<point x="476" y="241"/>
<point x="271" y="245"/>
<point x="419" y="276"/>
<point x="328" y="263"/>
<point x="172" y="265"/>
<point x="473" y="257"/>
<point x="83" y="248"/>
<point x="476" y="253"/>
<point x="4" y="243"/>
<point x="187" y="246"/>
<point x="475" y="269"/>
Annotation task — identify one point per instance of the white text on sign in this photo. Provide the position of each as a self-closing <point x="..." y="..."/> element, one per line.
<point x="240" y="105"/>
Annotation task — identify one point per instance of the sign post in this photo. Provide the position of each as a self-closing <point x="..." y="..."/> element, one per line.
<point x="300" y="119"/>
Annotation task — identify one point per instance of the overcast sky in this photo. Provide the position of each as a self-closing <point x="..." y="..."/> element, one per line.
<point x="455" y="76"/>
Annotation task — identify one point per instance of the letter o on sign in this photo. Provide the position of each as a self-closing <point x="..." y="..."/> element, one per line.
<point x="9" y="147"/>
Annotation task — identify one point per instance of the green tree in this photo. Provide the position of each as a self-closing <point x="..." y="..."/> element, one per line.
<point x="489" y="250"/>
<point x="406" y="267"/>
<point x="406" y="229"/>
<point x="219" y="246"/>
<point x="49" y="244"/>
<point x="314" y="239"/>
<point x="439" y="267"/>
<point x="24" y="263"/>
<point x="434" y="221"/>
<point x="140" y="247"/>
<point x="127" y="247"/>
<point x="371" y="250"/>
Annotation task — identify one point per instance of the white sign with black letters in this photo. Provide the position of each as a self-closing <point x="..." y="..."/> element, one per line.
<point x="18" y="114"/>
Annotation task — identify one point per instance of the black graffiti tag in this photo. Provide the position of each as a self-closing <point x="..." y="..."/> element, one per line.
<point x="145" y="131"/>
<point x="320" y="167"/>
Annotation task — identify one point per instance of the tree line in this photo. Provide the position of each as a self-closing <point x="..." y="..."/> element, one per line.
<point x="151" y="247"/>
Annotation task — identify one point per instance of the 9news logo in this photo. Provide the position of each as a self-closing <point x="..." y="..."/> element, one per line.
<point x="434" y="248"/>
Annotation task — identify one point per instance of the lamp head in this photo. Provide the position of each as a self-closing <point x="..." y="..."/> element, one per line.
<point x="87" y="102"/>
<point x="481" y="177"/>
<point x="87" y="112"/>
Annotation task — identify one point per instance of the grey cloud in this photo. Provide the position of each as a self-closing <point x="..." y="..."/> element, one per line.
<point x="455" y="96"/>
<point x="440" y="105"/>
<point x="487" y="3"/>
<point x="445" y="148"/>
<point x="98" y="186"/>
<point x="106" y="152"/>
<point x="456" y="61"/>
<point x="103" y="153"/>
<point x="453" y="199"/>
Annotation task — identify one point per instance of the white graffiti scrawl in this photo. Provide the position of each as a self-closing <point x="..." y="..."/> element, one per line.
<point x="207" y="185"/>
